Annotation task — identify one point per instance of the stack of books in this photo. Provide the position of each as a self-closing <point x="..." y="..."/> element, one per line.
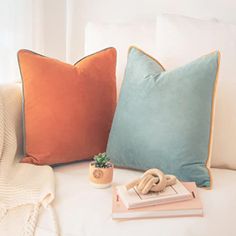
<point x="178" y="200"/>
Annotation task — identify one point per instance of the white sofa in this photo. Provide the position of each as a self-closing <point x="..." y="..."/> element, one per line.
<point x="83" y="210"/>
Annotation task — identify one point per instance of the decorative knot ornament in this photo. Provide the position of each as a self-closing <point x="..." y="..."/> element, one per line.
<point x="153" y="180"/>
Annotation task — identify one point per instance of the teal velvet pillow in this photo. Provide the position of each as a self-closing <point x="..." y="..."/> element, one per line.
<point x="164" y="118"/>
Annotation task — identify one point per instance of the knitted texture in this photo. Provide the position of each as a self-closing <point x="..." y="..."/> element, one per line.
<point x="21" y="184"/>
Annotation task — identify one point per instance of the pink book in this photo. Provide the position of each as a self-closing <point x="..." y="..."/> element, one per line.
<point x="192" y="207"/>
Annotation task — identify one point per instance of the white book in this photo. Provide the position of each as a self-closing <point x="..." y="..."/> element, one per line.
<point x="191" y="207"/>
<point x="133" y="199"/>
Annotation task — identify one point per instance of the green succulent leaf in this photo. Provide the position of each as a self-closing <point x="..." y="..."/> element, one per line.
<point x="101" y="160"/>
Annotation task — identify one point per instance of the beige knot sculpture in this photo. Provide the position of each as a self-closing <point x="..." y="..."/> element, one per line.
<point x="153" y="180"/>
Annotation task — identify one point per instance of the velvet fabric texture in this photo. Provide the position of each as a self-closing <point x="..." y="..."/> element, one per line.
<point x="68" y="109"/>
<point x="164" y="118"/>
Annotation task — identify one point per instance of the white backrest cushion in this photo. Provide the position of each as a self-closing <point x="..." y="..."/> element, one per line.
<point x="181" y="39"/>
<point x="121" y="36"/>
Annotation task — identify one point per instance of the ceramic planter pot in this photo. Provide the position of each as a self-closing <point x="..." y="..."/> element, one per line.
<point x="100" y="177"/>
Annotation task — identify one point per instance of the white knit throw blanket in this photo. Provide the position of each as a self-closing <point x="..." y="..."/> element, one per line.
<point x="24" y="188"/>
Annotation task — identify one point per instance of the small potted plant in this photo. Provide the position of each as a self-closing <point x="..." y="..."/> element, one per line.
<point x="101" y="171"/>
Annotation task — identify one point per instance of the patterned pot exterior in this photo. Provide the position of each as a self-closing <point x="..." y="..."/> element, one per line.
<point x="101" y="176"/>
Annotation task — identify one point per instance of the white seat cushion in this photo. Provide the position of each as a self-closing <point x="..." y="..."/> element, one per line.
<point x="86" y="211"/>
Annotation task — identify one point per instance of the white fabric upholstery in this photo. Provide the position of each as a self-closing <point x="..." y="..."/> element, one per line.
<point x="121" y="36"/>
<point x="182" y="39"/>
<point x="86" y="211"/>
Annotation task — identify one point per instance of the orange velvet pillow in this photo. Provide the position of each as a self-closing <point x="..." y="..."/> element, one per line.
<point x="68" y="109"/>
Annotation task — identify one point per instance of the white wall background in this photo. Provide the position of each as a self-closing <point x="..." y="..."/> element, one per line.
<point x="56" y="27"/>
<point x="60" y="24"/>
<point x="138" y="10"/>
